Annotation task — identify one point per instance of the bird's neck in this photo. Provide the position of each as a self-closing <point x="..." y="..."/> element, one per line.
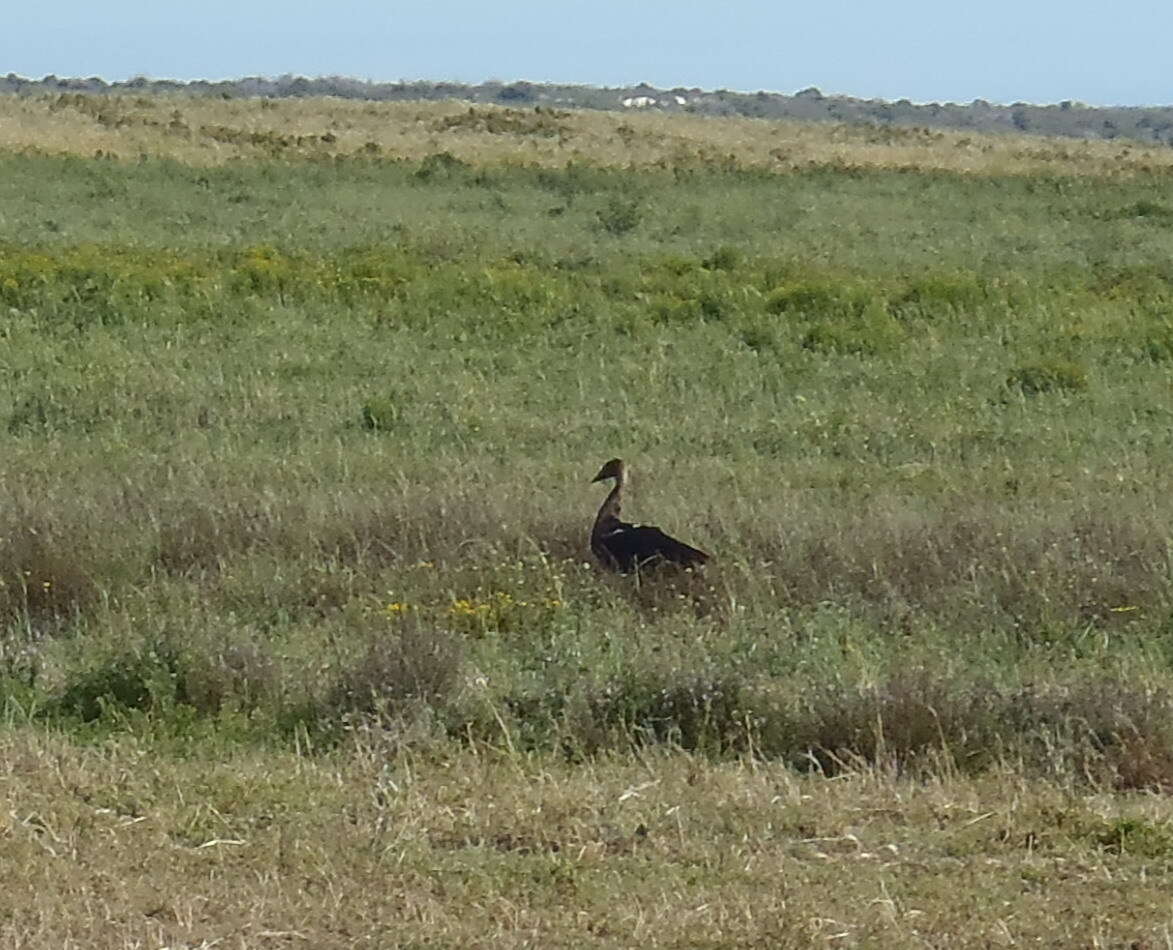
<point x="610" y="507"/>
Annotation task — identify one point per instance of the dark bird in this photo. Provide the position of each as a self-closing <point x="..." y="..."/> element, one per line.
<point x="627" y="547"/>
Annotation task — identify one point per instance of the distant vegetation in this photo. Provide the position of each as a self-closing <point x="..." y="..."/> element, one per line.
<point x="1071" y="119"/>
<point x="449" y="137"/>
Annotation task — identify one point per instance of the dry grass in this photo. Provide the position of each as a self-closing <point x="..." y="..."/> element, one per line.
<point x="108" y="848"/>
<point x="200" y="131"/>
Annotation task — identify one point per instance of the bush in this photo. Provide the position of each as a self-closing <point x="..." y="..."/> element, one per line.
<point x="901" y="719"/>
<point x="242" y="676"/>
<point x="758" y="336"/>
<point x="956" y="291"/>
<point x="440" y="166"/>
<point x="815" y="299"/>
<point x="379" y="415"/>
<point x="1149" y="210"/>
<point x="1048" y="376"/>
<point x="1158" y="348"/>
<point x="540" y="122"/>
<point x="620" y="215"/>
<point x="725" y="257"/>
<point x="145" y="679"/>
<point x="875" y="331"/>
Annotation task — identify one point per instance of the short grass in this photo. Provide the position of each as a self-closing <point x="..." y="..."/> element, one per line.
<point x="301" y="640"/>
<point x="119" y="847"/>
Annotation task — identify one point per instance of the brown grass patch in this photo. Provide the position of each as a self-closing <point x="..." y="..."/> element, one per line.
<point x="43" y="576"/>
<point x="477" y="849"/>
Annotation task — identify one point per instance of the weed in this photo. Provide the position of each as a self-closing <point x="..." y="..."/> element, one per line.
<point x="956" y="292"/>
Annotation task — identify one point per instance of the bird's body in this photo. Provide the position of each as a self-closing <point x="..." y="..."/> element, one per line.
<point x="626" y="547"/>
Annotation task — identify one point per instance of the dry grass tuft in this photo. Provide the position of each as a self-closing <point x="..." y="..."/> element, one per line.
<point x="412" y="667"/>
<point x="42" y="575"/>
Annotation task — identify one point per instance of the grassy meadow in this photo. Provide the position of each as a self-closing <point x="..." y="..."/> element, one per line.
<point x="301" y="643"/>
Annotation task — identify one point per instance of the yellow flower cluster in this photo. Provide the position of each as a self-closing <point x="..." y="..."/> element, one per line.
<point x="499" y="610"/>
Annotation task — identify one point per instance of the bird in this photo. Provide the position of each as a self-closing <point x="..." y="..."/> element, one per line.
<point x="624" y="547"/>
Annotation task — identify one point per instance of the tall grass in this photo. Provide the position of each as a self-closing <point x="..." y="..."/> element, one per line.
<point x="285" y="446"/>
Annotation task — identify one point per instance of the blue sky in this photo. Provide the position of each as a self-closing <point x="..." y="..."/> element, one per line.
<point x="1042" y="51"/>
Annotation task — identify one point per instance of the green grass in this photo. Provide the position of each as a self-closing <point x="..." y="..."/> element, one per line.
<point x="881" y="428"/>
<point x="296" y="454"/>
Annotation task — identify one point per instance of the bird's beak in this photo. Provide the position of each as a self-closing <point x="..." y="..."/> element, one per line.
<point x="598" y="478"/>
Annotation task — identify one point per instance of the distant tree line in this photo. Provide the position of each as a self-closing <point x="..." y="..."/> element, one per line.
<point x="1074" y="119"/>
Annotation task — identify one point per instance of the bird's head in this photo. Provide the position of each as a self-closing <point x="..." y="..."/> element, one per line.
<point x="612" y="469"/>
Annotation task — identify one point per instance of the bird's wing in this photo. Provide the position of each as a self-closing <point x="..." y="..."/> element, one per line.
<point x="639" y="543"/>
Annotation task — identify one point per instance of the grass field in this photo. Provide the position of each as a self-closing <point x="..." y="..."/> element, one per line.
<point x="301" y="641"/>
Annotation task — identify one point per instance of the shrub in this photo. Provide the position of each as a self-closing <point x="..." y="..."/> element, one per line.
<point x="1158" y="348"/>
<point x="758" y="337"/>
<point x="1048" y="376"/>
<point x="378" y="415"/>
<point x="668" y="309"/>
<point x="620" y="215"/>
<point x="1149" y="210"/>
<point x="957" y="291"/>
<point x="673" y="264"/>
<point x="875" y="331"/>
<point x="440" y="166"/>
<point x="540" y="122"/>
<point x="149" y="678"/>
<point x="816" y="299"/>
<point x="901" y="719"/>
<point x="243" y="676"/>
<point x="726" y="257"/>
<point x="1134" y="836"/>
